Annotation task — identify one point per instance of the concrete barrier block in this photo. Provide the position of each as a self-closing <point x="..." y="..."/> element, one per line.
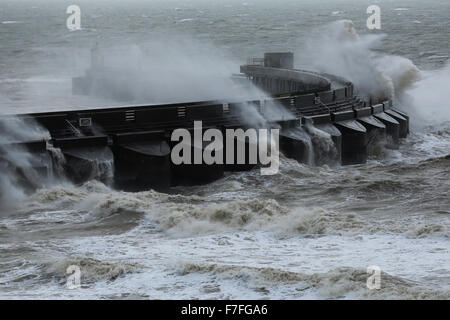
<point x="343" y="115"/>
<point x="378" y="108"/>
<point x="363" y="112"/>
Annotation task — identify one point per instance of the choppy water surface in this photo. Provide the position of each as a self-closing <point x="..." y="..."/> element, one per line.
<point x="308" y="232"/>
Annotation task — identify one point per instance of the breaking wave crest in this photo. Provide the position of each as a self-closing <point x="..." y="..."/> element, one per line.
<point x="91" y="270"/>
<point x="180" y="216"/>
<point x="341" y="283"/>
<point x="191" y="215"/>
<point x="337" y="48"/>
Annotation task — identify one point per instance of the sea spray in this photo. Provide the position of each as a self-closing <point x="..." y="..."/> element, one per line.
<point x="169" y="69"/>
<point x="103" y="171"/>
<point x="58" y="162"/>
<point x="337" y="48"/>
<point x="325" y="151"/>
<point x="18" y="172"/>
<point x="428" y="99"/>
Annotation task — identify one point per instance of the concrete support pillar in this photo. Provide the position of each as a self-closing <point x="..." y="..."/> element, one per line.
<point x="392" y="129"/>
<point x="354" y="142"/>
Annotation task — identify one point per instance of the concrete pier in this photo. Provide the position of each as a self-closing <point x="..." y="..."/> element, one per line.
<point x="376" y="130"/>
<point x="326" y="140"/>
<point x="193" y="174"/>
<point x="321" y="121"/>
<point x="326" y="151"/>
<point x="295" y="143"/>
<point x="141" y="161"/>
<point x="402" y="120"/>
<point x="354" y="142"/>
<point x="248" y="144"/>
<point x="392" y="126"/>
<point x="86" y="157"/>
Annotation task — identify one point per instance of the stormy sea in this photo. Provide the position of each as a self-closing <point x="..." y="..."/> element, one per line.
<point x="308" y="232"/>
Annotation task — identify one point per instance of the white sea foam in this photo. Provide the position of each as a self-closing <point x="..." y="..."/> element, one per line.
<point x="12" y="22"/>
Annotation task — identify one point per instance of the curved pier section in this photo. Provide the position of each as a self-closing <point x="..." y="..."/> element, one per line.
<point x="321" y="121"/>
<point x="285" y="81"/>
